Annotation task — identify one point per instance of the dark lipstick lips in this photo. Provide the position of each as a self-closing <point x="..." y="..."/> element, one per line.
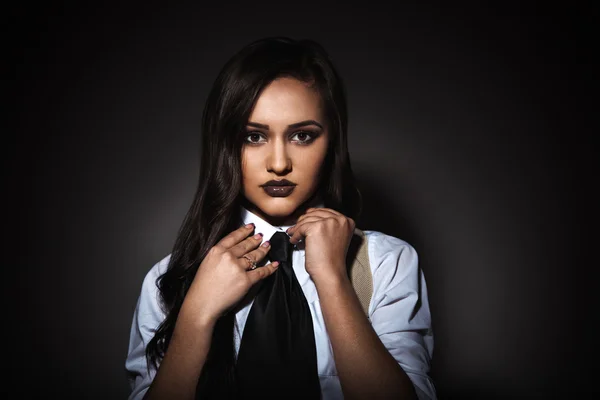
<point x="283" y="182"/>
<point x="282" y="188"/>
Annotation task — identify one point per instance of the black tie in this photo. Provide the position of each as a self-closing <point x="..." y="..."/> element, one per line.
<point x="277" y="356"/>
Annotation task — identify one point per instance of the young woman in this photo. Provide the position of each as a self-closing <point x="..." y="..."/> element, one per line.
<point x="220" y="317"/>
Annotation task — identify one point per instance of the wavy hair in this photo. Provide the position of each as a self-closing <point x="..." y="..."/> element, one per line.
<point x="215" y="209"/>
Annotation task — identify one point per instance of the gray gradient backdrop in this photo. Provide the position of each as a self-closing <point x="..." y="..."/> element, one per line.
<point x="467" y="133"/>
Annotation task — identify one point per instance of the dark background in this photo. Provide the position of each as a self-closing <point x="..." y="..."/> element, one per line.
<point x="469" y="134"/>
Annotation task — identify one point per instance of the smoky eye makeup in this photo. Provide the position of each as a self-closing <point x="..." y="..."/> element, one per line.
<point x="253" y="137"/>
<point x="304" y="137"/>
<point x="300" y="137"/>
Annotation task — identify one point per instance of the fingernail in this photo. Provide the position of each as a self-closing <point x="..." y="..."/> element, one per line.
<point x="266" y="244"/>
<point x="258" y="236"/>
<point x="250" y="225"/>
<point x="275" y="264"/>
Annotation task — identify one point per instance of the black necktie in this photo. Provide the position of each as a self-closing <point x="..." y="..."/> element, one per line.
<point x="277" y="356"/>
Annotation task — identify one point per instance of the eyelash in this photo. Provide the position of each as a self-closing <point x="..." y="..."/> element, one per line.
<point x="312" y="136"/>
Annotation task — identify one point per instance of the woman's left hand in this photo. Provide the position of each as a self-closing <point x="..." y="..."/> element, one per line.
<point x="326" y="234"/>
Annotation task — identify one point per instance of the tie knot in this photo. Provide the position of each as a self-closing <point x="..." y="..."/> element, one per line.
<point x="281" y="248"/>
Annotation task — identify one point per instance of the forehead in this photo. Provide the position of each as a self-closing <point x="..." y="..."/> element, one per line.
<point x="285" y="101"/>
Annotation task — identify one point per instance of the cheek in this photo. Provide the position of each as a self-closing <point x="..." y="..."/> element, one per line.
<point x="313" y="165"/>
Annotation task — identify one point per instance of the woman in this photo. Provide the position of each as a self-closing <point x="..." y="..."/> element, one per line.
<point x="218" y="317"/>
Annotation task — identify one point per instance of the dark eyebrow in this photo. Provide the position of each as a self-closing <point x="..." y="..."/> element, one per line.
<point x="305" y="123"/>
<point x="296" y="125"/>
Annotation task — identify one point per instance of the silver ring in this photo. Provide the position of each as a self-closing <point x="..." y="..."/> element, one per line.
<point x="252" y="263"/>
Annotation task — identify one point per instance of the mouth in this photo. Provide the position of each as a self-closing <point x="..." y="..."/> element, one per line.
<point x="282" y="188"/>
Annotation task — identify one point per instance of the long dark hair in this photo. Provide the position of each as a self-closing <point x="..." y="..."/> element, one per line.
<point x="215" y="210"/>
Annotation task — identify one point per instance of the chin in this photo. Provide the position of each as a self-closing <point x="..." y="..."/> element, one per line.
<point x="277" y="208"/>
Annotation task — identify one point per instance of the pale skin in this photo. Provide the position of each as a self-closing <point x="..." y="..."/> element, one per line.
<point x="280" y="149"/>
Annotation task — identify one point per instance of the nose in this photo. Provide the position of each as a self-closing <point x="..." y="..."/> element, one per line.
<point x="279" y="161"/>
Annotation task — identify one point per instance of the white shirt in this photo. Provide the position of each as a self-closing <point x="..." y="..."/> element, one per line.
<point x="399" y="313"/>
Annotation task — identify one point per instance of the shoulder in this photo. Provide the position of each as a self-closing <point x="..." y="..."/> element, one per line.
<point x="150" y="296"/>
<point x="392" y="260"/>
<point x="157" y="269"/>
<point x="382" y="247"/>
<point x="380" y="240"/>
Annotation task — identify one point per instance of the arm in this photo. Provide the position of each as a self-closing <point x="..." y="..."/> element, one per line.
<point x="365" y="367"/>
<point x="221" y="280"/>
<point x="180" y="369"/>
<point x="377" y="358"/>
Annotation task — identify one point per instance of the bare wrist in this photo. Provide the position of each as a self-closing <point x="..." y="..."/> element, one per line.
<point x="330" y="279"/>
<point x="197" y="317"/>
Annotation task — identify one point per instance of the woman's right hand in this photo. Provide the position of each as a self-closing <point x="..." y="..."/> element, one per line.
<point x="225" y="275"/>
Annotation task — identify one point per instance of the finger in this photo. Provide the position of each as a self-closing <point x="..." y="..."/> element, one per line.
<point x="246" y="245"/>
<point x="301" y="230"/>
<point x="248" y="263"/>
<point x="320" y="212"/>
<point x="295" y="228"/>
<point x="257" y="274"/>
<point x="329" y="210"/>
<point x="259" y="254"/>
<point x="235" y="237"/>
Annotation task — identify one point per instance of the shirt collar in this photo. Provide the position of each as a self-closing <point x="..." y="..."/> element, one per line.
<point x="263" y="226"/>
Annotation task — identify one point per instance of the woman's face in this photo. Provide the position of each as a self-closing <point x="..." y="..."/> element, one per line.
<point x="286" y="140"/>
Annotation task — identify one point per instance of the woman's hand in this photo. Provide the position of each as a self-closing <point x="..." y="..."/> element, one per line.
<point x="326" y="234"/>
<point x="225" y="276"/>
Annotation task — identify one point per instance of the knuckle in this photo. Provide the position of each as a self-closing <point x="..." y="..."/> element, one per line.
<point x="248" y="246"/>
<point x="216" y="249"/>
<point x="228" y="257"/>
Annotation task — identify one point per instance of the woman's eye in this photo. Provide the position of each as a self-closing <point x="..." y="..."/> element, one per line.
<point x="303" y="137"/>
<point x="253" y="137"/>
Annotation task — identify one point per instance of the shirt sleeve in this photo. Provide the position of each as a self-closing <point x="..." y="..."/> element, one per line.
<point x="146" y="318"/>
<point x="399" y="309"/>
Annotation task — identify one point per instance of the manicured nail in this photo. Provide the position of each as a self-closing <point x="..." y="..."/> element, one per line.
<point x="266" y="244"/>
<point x="275" y="264"/>
<point x="258" y="236"/>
